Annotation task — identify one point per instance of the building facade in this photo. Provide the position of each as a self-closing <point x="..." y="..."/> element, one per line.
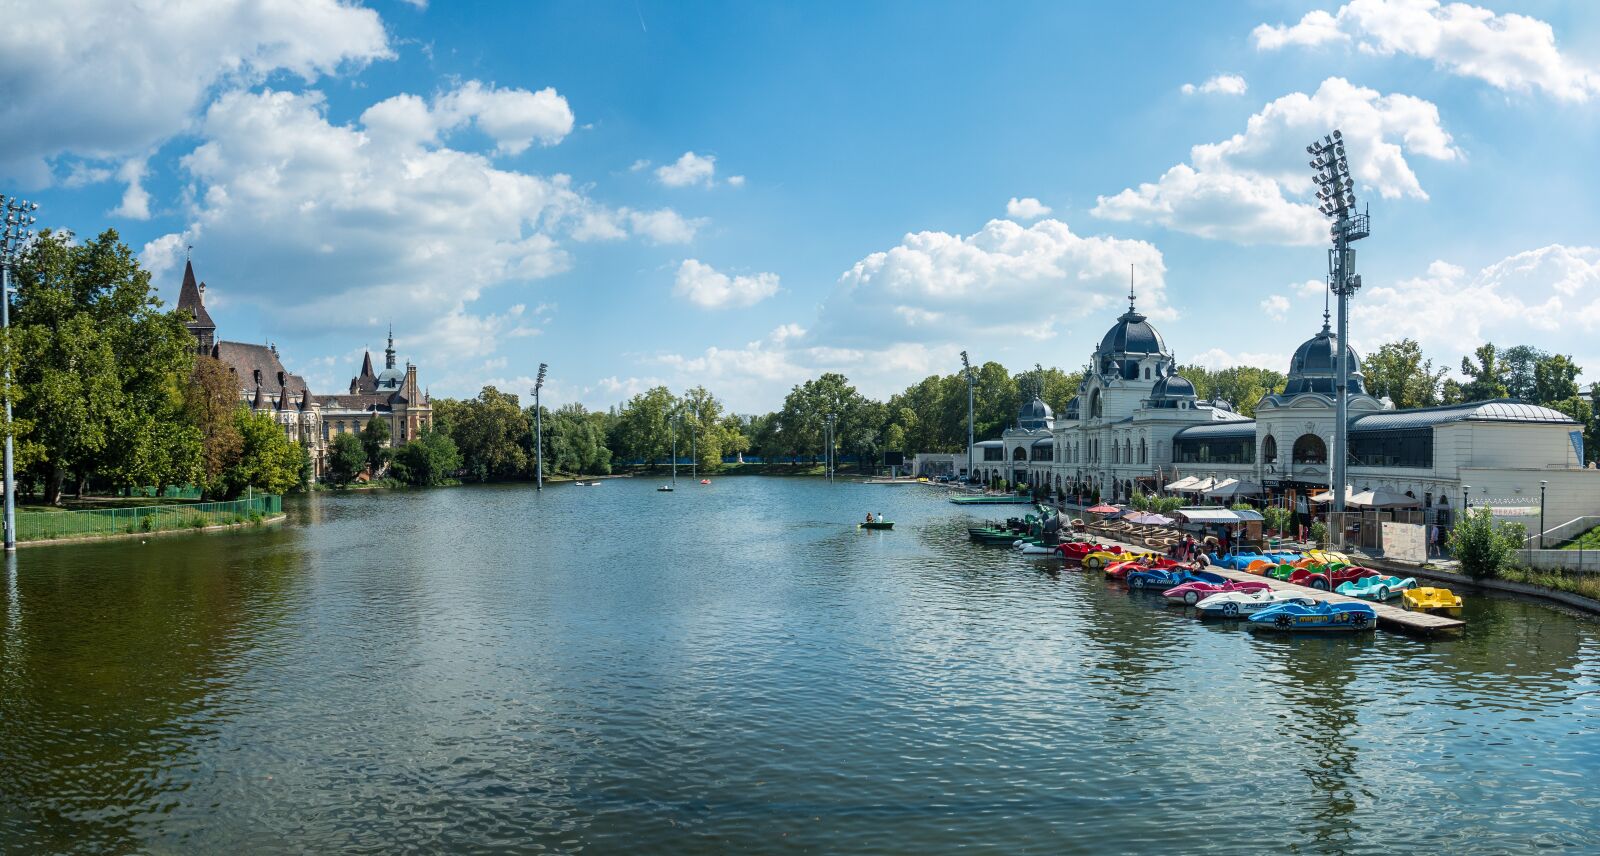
<point x="1137" y="425"/>
<point x="311" y="420"/>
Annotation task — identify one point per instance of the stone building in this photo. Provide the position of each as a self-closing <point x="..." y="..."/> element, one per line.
<point x="307" y="418"/>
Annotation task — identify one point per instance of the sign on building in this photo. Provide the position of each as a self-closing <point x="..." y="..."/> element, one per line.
<point x="1407" y="542"/>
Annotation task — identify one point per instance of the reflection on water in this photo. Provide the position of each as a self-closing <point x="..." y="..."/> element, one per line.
<point x="738" y="668"/>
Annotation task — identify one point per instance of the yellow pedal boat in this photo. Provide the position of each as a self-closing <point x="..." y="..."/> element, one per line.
<point x="1431" y="600"/>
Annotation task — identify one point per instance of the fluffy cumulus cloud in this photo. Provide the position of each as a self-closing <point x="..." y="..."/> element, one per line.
<point x="690" y="169"/>
<point x="1276" y="307"/>
<point x="1508" y="51"/>
<point x="1217" y="359"/>
<point x="1549" y="296"/>
<point x="312" y="223"/>
<point x="709" y="288"/>
<point x="108" y="79"/>
<point x="1026" y="208"/>
<point x="1255" y="188"/>
<point x="1222" y="84"/>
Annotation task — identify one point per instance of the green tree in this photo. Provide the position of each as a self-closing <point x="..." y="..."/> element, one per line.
<point x="1555" y="378"/>
<point x="1517" y="366"/>
<point x="642" y="430"/>
<point x="1397" y="371"/>
<point x="575" y="441"/>
<point x="1485" y="378"/>
<point x="428" y="460"/>
<point x="492" y="432"/>
<point x="346" y="458"/>
<point x="1483" y="546"/>
<point x="267" y="459"/>
<point x="375" y="443"/>
<point x="210" y="400"/>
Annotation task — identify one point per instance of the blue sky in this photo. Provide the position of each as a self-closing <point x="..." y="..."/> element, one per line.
<point x="745" y="195"/>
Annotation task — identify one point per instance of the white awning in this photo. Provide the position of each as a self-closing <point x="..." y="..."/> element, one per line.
<point x="1184" y="483"/>
<point x="1202" y="485"/>
<point x="1234" y="487"/>
<point x="1208" y="515"/>
<point x="1382" y="498"/>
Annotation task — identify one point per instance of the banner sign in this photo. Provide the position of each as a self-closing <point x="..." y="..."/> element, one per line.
<point x="1514" y="510"/>
<point x="1577" y="445"/>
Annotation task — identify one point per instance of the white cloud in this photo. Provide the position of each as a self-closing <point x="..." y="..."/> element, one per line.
<point x="736" y="181"/>
<point x="1217" y="358"/>
<point x="1221" y="84"/>
<point x="1249" y="188"/>
<point x="1026" y="208"/>
<point x="514" y="118"/>
<point x="109" y="79"/>
<point x="1549" y="296"/>
<point x="135" y="203"/>
<point x="709" y="288"/>
<point x="1316" y="28"/>
<point x="1510" y="52"/>
<point x="1276" y="307"/>
<point x="689" y="169"/>
<point x="664" y="226"/>
<point x="311" y="224"/>
<point x="1311" y="288"/>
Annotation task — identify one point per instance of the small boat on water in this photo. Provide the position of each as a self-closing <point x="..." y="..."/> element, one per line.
<point x="705" y="481"/>
<point x="1429" y="599"/>
<point x="1151" y="578"/>
<point x="877" y="524"/>
<point x="666" y="488"/>
<point x="1378" y="588"/>
<point x="1191" y="593"/>
<point x="1291" y="617"/>
<point x="1237" y="604"/>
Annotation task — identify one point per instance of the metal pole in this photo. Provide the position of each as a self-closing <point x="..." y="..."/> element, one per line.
<point x="10" y="482"/>
<point x="694" y="456"/>
<point x="538" y="443"/>
<point x="1542" y="485"/>
<point x="1342" y="386"/>
<point x="673" y="430"/>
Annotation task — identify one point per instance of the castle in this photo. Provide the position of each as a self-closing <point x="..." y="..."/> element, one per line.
<point x="311" y="420"/>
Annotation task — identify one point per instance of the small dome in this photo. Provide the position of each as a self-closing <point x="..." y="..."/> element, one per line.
<point x="1072" y="408"/>
<point x="1132" y="335"/>
<point x="1315" y="366"/>
<point x="1170" y="390"/>
<point x="1035" y="415"/>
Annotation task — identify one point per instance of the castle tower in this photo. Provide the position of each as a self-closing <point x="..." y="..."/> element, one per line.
<point x="191" y="299"/>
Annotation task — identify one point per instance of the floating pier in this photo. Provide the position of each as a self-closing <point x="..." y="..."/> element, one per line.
<point x="1389" y="617"/>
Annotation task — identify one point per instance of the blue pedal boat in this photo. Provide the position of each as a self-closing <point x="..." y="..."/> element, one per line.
<point x="1377" y="588"/>
<point x="1297" y="617"/>
<point x="1171" y="578"/>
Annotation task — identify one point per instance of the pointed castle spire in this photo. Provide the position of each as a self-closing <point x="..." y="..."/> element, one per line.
<point x="388" y="353"/>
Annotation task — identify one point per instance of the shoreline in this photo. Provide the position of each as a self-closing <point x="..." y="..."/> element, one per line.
<point x="123" y="536"/>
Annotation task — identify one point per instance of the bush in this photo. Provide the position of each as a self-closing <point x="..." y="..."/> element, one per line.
<point x="198" y="522"/>
<point x="145" y="525"/>
<point x="1278" y="519"/>
<point x="1484" y="547"/>
<point x="1319" y="532"/>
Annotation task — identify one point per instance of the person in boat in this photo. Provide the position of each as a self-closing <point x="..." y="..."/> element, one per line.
<point x="869" y="517"/>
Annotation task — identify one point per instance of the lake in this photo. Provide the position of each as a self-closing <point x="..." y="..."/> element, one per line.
<point x="737" y="668"/>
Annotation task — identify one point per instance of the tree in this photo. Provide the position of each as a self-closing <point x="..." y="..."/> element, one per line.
<point x="267" y="459"/>
<point x="1486" y="379"/>
<point x="1242" y="387"/>
<point x="642" y="431"/>
<point x="493" y="435"/>
<point x="1517" y="366"/>
<point x="375" y="442"/>
<point x="346" y="458"/>
<point x="1482" y="546"/>
<point x="1555" y="378"/>
<point x="427" y="460"/>
<point x="100" y="368"/>
<point x="1397" y="371"/>
<point x="210" y="399"/>
<point x="575" y="440"/>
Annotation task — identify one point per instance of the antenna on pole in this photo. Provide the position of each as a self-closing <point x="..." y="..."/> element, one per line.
<point x="1130" y="288"/>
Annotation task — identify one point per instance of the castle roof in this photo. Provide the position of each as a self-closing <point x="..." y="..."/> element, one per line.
<point x="189" y="300"/>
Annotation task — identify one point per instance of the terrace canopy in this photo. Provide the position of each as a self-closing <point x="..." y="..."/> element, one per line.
<point x="1208" y="515"/>
<point x="1185" y="483"/>
<point x="1229" y="488"/>
<point x="1382" y="498"/>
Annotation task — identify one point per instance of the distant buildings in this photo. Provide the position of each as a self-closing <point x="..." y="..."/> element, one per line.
<point x="1137" y="425"/>
<point x="307" y="418"/>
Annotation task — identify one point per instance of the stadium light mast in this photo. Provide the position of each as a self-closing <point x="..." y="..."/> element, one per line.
<point x="1336" y="191"/>
<point x="538" y="431"/>
<point x="16" y="218"/>
<point x="966" y="369"/>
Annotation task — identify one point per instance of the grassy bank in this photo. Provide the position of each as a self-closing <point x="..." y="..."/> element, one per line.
<point x="1587" y="585"/>
<point x="98" y="517"/>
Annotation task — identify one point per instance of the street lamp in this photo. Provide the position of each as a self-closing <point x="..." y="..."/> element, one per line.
<point x="538" y="431"/>
<point x="827" y="457"/>
<point x="16" y="216"/>
<point x="1464" y="489"/>
<point x="1542" y="485"/>
<point x="966" y="369"/>
<point x="1337" y="191"/>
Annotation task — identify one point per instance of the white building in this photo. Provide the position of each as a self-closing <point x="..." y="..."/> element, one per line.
<point x="1137" y="425"/>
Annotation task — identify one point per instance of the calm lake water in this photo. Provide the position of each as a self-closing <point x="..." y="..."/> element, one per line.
<point x="736" y="668"/>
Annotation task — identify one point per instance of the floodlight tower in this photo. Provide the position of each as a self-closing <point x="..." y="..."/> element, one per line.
<point x="538" y="431"/>
<point x="16" y="218"/>
<point x="966" y="369"/>
<point x="1337" y="192"/>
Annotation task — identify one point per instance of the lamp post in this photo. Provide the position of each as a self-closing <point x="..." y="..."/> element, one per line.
<point x="538" y="431"/>
<point x="672" y="429"/>
<point x="966" y="369"/>
<point x="16" y="215"/>
<point x="1337" y="192"/>
<point x="1542" y="485"/>
<point x="827" y="458"/>
<point x="1464" y="489"/>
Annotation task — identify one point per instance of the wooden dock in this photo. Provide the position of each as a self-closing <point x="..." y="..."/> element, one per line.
<point x="1389" y="617"/>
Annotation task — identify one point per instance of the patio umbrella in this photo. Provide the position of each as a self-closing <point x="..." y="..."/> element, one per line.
<point x="1202" y="485"/>
<point x="1327" y="496"/>
<point x="1184" y="483"/>
<point x="1382" y="498"/>
<point x="1150" y="519"/>
<point x="1228" y="488"/>
<point x="1102" y="508"/>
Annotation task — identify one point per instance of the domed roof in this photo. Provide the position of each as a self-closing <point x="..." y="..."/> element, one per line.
<point x="1132" y="335"/>
<point x="1035" y="415"/>
<point x="1072" y="407"/>
<point x="1315" y="365"/>
<point x="1171" y="389"/>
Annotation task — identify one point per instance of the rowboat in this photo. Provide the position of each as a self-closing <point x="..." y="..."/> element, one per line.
<point x="1428" y="599"/>
<point x="1299" y="618"/>
<point x="876" y="524"/>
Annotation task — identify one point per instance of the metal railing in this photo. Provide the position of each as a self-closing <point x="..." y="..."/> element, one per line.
<point x="56" y="525"/>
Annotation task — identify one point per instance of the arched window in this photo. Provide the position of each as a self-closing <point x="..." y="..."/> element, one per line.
<point x="1269" y="449"/>
<point x="1094" y="404"/>
<point x="1019" y="454"/>
<point x="1144" y="452"/>
<point x="1310" y="449"/>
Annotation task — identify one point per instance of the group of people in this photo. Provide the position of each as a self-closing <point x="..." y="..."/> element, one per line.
<point x="879" y="518"/>
<point x="1186" y="549"/>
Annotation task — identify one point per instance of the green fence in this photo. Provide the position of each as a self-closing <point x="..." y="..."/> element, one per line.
<point x="171" y="492"/>
<point x="52" y="525"/>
